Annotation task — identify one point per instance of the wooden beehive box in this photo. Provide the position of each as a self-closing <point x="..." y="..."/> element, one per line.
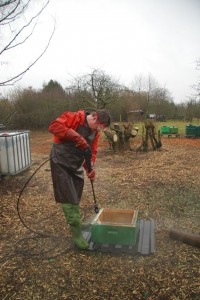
<point x="115" y="226"/>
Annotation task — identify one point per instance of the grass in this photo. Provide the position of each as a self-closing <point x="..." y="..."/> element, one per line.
<point x="180" y="124"/>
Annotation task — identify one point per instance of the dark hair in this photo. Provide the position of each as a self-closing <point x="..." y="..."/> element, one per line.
<point x="103" y="117"/>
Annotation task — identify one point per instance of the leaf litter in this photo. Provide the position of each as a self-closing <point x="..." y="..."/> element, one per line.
<point x="163" y="185"/>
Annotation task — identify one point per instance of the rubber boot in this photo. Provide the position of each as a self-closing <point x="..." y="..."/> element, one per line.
<point x="72" y="215"/>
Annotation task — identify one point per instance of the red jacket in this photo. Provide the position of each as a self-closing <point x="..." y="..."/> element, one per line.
<point x="73" y="120"/>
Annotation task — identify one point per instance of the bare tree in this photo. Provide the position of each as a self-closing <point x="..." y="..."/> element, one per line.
<point x="96" y="89"/>
<point x="139" y="83"/>
<point x="19" y="27"/>
<point x="145" y="89"/>
<point x="198" y="85"/>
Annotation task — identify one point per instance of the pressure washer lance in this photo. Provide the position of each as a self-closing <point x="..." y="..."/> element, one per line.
<point x="96" y="209"/>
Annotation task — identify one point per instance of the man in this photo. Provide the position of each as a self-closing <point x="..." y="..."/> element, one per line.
<point x="76" y="137"/>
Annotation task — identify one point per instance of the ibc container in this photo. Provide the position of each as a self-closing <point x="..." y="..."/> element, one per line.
<point x="173" y="130"/>
<point x="190" y="130"/>
<point x="165" y="130"/>
<point x="14" y="152"/>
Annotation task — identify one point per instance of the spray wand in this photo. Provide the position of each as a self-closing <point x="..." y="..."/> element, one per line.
<point x="88" y="162"/>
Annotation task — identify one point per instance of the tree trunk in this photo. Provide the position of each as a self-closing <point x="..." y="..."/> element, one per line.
<point x="112" y="139"/>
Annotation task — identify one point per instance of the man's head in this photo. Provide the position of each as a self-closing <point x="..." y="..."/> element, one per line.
<point x="99" y="119"/>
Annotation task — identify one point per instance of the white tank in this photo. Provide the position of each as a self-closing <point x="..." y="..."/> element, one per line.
<point x="15" y="153"/>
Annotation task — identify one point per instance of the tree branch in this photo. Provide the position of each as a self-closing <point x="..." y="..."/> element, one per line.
<point x="20" y="31"/>
<point x="26" y="38"/>
<point x="18" y="77"/>
<point x="11" y="12"/>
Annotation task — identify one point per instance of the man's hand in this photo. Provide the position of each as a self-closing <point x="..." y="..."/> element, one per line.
<point x="81" y="143"/>
<point x="88" y="165"/>
<point x="91" y="175"/>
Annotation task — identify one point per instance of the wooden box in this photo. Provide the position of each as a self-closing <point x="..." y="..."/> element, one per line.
<point x="115" y="226"/>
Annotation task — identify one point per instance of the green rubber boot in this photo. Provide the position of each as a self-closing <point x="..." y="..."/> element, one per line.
<point x="72" y="215"/>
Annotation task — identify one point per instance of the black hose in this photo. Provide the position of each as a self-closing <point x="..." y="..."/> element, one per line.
<point x="22" y="190"/>
<point x="29" y="179"/>
<point x="26" y="250"/>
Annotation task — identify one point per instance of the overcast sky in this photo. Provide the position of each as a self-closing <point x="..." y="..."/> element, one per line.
<point x="125" y="38"/>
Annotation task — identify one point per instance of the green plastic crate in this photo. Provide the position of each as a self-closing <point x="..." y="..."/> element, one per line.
<point x="165" y="130"/>
<point x="197" y="131"/>
<point x="173" y="130"/>
<point x="115" y="226"/>
<point x="190" y="130"/>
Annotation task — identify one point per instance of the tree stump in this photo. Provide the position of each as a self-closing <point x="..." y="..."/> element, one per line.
<point x="149" y="135"/>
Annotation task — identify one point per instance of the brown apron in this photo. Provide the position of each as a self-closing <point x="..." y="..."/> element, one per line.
<point x="67" y="168"/>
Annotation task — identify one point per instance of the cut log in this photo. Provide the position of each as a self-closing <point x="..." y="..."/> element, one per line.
<point x="111" y="136"/>
<point x="121" y="138"/>
<point x="185" y="237"/>
<point x="134" y="132"/>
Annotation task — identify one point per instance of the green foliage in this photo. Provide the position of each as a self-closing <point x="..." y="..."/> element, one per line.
<point x="52" y="87"/>
<point x="6" y="110"/>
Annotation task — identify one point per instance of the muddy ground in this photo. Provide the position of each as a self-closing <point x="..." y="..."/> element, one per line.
<point x="40" y="262"/>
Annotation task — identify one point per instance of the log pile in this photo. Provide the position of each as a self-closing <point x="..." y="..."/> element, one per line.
<point x="119" y="136"/>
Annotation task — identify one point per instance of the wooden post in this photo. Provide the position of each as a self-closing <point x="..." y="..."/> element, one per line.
<point x="185" y="237"/>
